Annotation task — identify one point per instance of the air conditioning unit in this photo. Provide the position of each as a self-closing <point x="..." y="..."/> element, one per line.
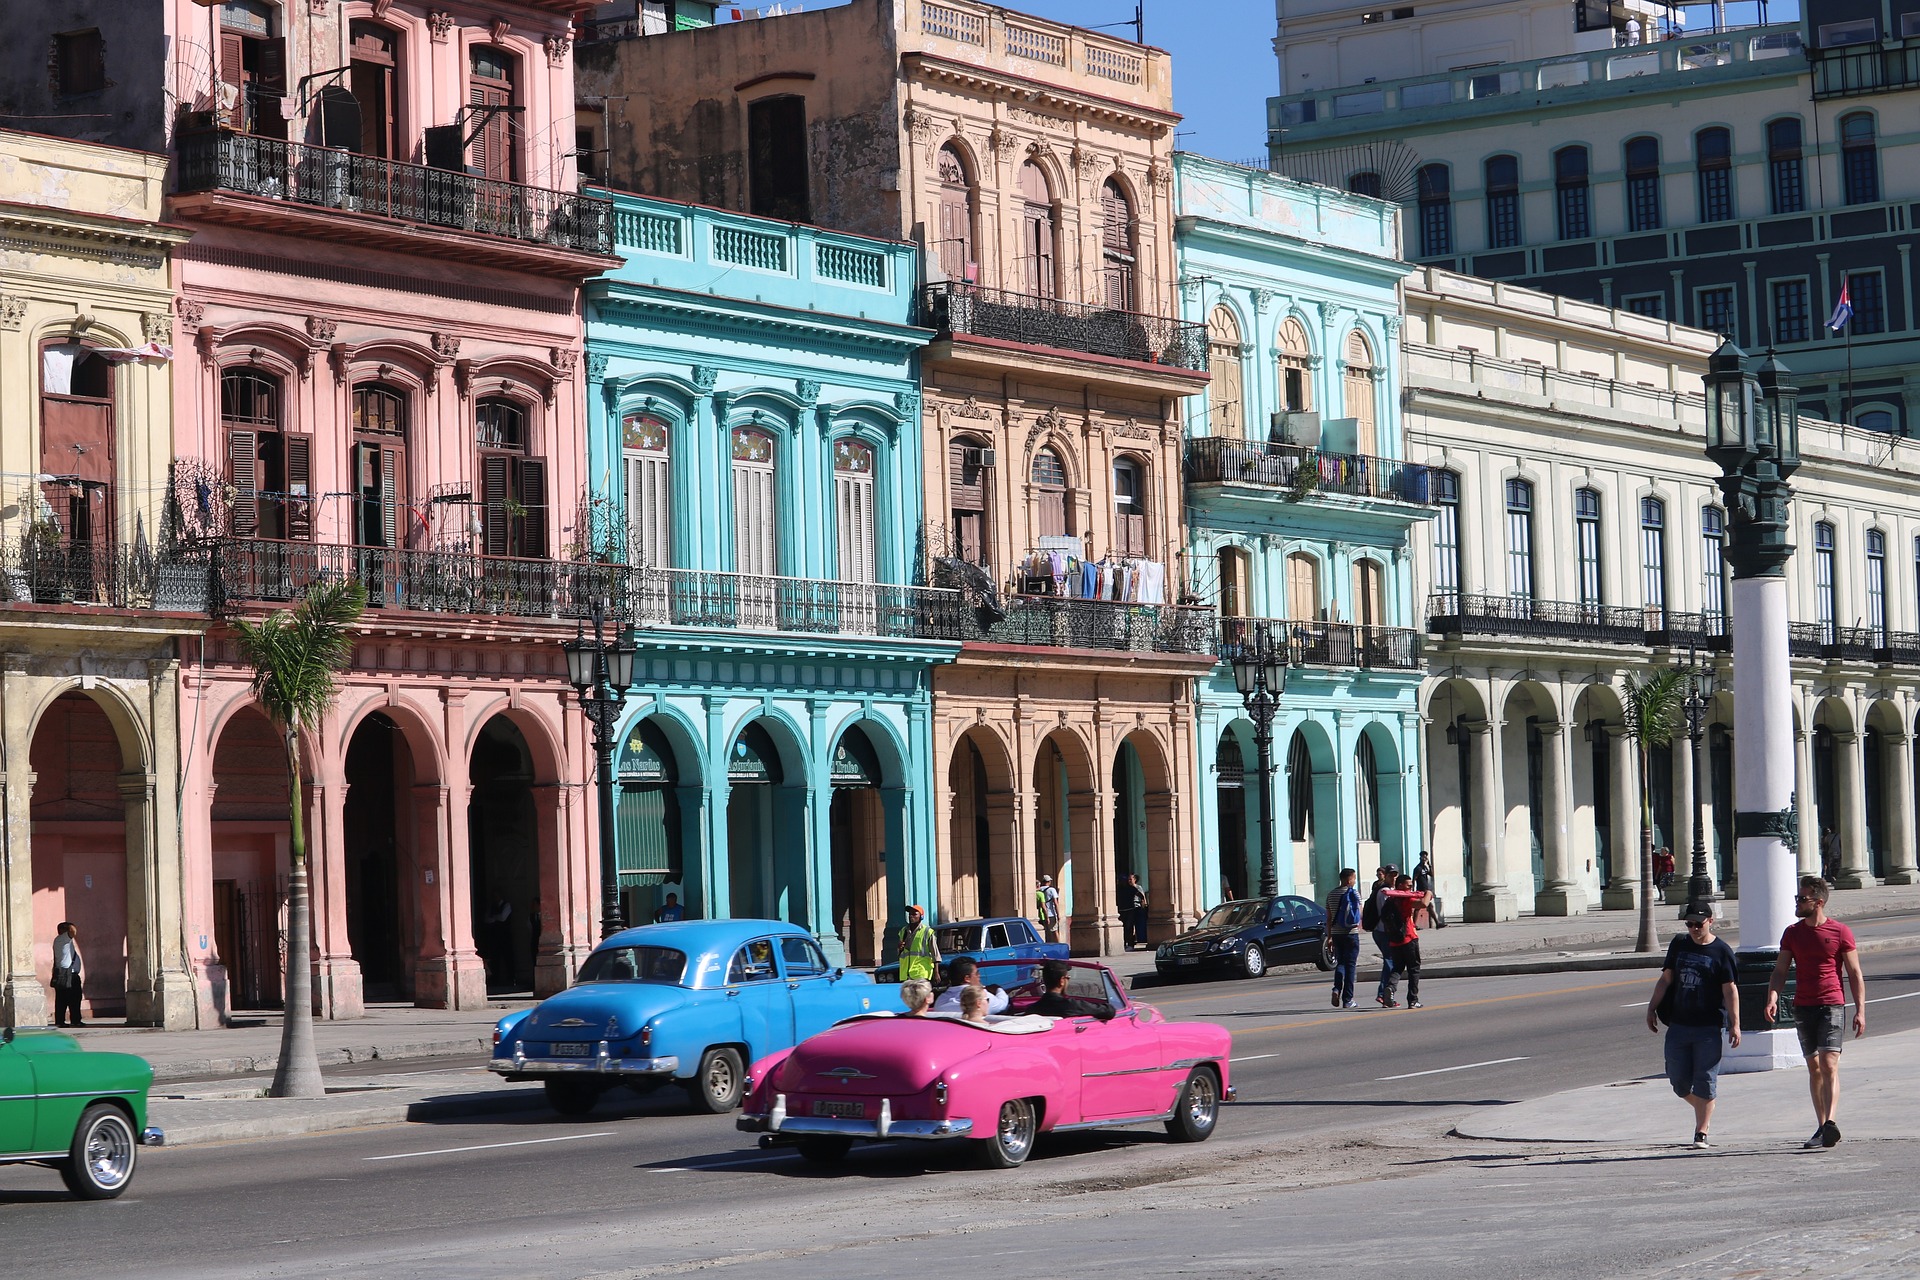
<point x="980" y="457"/>
<point x="1296" y="426"/>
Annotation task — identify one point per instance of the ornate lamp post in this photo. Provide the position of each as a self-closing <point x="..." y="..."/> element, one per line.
<point x="1260" y="674"/>
<point x="601" y="672"/>
<point x="1753" y="434"/>
<point x="1699" y="696"/>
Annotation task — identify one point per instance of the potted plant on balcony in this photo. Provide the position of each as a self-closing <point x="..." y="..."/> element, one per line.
<point x="1305" y="478"/>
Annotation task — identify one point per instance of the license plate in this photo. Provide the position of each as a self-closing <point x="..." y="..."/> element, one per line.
<point x="841" y="1110"/>
<point x="573" y="1051"/>
<point x="1187" y="960"/>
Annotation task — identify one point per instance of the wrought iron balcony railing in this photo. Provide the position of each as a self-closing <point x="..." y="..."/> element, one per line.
<point x="56" y="571"/>
<point x="955" y="308"/>
<point x="1689" y="630"/>
<point x="700" y="598"/>
<point x="1329" y="644"/>
<point x="1852" y="71"/>
<point x="1064" y="623"/>
<point x="1464" y="614"/>
<point x="330" y="178"/>
<point x="1300" y="473"/>
<point x="246" y="570"/>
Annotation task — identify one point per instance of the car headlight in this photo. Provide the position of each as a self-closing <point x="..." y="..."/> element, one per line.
<point x="1229" y="944"/>
<point x="1163" y="953"/>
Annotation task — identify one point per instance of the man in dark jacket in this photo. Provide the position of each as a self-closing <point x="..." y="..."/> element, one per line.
<point x="1133" y="912"/>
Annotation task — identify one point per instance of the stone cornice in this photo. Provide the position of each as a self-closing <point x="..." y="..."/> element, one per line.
<point x="999" y="85"/>
<point x="688" y="312"/>
<point x="33" y="229"/>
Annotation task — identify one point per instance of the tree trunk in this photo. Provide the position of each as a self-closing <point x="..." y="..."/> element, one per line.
<point x="298" y="1073"/>
<point x="1644" y="942"/>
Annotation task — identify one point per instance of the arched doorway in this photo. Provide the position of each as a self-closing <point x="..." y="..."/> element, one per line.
<point x="1525" y="764"/>
<point x="857" y="826"/>
<point x="648" y="827"/>
<point x="1379" y="803"/>
<point x="379" y="776"/>
<point x="1063" y="828"/>
<point x="766" y="833"/>
<point x="503" y="852"/>
<point x="1129" y="816"/>
<point x="981" y="876"/>
<point x="1312" y="813"/>
<point x="79" y="846"/>
<point x="1143" y="793"/>
<point x="1231" y="815"/>
<point x="248" y="826"/>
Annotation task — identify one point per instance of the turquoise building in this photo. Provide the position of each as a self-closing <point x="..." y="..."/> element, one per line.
<point x="1299" y="513"/>
<point x="754" y="453"/>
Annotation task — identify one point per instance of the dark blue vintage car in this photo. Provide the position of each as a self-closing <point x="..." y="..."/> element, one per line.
<point x="691" y="1002"/>
<point x="987" y="939"/>
<point x="1247" y="937"/>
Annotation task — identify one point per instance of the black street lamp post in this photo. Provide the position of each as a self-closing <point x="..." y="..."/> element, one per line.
<point x="601" y="672"/>
<point x="1260" y="674"/>
<point x="1699" y="695"/>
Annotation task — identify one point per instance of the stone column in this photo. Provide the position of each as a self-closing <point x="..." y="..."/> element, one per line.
<point x="1896" y="762"/>
<point x="1850" y="793"/>
<point x="1490" y="900"/>
<point x="1562" y="895"/>
<point x="143" y="949"/>
<point x="1623" y="886"/>
<point x="338" y="987"/>
<point x="1095" y="927"/>
<point x="24" y="1002"/>
<point x="1681" y="837"/>
<point x="1806" y="798"/>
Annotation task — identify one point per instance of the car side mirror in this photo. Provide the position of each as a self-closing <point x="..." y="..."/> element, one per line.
<point x="839" y="974"/>
<point x="6" y="1037"/>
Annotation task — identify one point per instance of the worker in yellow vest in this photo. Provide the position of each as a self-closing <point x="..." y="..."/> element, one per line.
<point x="919" y="952"/>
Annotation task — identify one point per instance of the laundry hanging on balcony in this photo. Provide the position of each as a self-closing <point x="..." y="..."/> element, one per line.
<point x="57" y="361"/>
<point x="1125" y="579"/>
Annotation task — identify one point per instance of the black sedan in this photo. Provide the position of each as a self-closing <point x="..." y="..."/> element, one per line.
<point x="1247" y="937"/>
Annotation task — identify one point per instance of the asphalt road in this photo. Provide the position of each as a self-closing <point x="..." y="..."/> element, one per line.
<point x="1331" y="1104"/>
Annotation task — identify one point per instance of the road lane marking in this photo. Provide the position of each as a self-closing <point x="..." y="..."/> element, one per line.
<point x="1254" y="1057"/>
<point x="1348" y="1019"/>
<point x="1908" y="996"/>
<point x="1440" y="1071"/>
<point x="491" y="1146"/>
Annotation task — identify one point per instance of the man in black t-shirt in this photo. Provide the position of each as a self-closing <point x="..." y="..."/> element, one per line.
<point x="1701" y="975"/>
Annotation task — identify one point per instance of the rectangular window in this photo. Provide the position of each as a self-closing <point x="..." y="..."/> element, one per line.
<point x="1503" y="219"/>
<point x="777" y="165"/>
<point x="1790" y="311"/>
<point x="1520" y="581"/>
<point x="1714" y="310"/>
<point x="1574" y="221"/>
<point x="1713" y="156"/>
<point x="1653" y="553"/>
<point x="1648" y="304"/>
<point x="1643" y="202"/>
<point x="79" y="63"/>
<point x="1586" y="530"/>
<point x="1436" y="228"/>
<point x="1867" y="291"/>
<point x="1713" y="565"/>
<point x="1446" y="538"/>
<point x="1877" y="586"/>
<point x="1825" y="596"/>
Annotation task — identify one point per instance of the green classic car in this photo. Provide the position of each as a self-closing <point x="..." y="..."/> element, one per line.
<point x="82" y="1113"/>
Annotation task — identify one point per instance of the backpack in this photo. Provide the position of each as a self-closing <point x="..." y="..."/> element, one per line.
<point x="1370" y="913"/>
<point x="1392" y="921"/>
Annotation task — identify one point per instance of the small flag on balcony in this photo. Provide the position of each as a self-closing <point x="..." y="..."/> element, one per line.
<point x="1842" y="310"/>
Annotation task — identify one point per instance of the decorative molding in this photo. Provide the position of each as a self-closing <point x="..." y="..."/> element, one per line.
<point x="557" y="49"/>
<point x="808" y="391"/>
<point x="446" y="345"/>
<point x="12" y="311"/>
<point x="500" y="29"/>
<point x="563" y="360"/>
<point x="1392" y="325"/>
<point x="318" y="8"/>
<point x="970" y="408"/>
<point x="156" y="326"/>
<point x="1160" y="175"/>
<point x="596" y="366"/>
<point x="1262" y="299"/>
<point x="1039" y="119"/>
<point x="73" y="246"/>
<point x="704" y="376"/>
<point x="439" y="24"/>
<point x="1133" y="429"/>
<point x="907" y="403"/>
<point x="1003" y="142"/>
<point x="322" y="329"/>
<point x="1088" y="161"/>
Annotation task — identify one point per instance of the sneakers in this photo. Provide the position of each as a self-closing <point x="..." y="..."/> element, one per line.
<point x="1336" y="998"/>
<point x="1386" y="1002"/>
<point x="1829" y="1134"/>
<point x="1415" y="1004"/>
<point x="1349" y="1005"/>
<point x="1700" y="1142"/>
<point x="1818" y="1140"/>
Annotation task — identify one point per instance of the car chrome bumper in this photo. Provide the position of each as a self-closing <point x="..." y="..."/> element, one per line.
<point x="777" y="1125"/>
<point x="599" y="1065"/>
<point x="151" y="1136"/>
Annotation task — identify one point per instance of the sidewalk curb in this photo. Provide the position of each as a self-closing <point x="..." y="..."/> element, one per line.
<point x="357" y="1116"/>
<point x="347" y="1056"/>
<point x="1605" y="961"/>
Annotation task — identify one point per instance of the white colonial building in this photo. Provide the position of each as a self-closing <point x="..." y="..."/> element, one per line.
<point x="1578" y="540"/>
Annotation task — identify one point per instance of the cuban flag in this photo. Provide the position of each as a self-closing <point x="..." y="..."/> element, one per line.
<point x="1842" y="310"/>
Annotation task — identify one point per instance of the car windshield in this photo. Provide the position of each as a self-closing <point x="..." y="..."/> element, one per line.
<point x="1232" y="915"/>
<point x="954" y="938"/>
<point x="635" y="964"/>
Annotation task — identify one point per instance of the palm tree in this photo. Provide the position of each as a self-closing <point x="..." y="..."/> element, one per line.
<point x="295" y="655"/>
<point x="1652" y="711"/>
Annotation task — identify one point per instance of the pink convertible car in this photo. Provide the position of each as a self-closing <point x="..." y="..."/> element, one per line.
<point x="885" y="1077"/>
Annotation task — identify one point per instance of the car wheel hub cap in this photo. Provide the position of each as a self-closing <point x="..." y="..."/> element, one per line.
<point x="1016" y="1128"/>
<point x="109" y="1155"/>
<point x="1200" y="1103"/>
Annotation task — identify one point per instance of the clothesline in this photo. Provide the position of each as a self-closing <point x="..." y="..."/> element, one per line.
<point x="1124" y="578"/>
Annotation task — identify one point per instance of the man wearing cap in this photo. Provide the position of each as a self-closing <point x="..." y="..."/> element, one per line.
<point x="1047" y="902"/>
<point x="1701" y="974"/>
<point x="919" y="951"/>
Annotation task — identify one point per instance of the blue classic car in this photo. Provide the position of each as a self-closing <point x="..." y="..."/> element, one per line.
<point x="988" y="939"/>
<point x="692" y="1002"/>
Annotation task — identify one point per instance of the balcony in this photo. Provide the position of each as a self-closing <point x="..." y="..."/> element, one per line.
<point x="258" y="570"/>
<point x="303" y="190"/>
<point x="1300" y="473"/>
<point x="1676" y="630"/>
<point x="1486" y="615"/>
<point x="1050" y="622"/>
<point x="1853" y="71"/>
<point x="1344" y="645"/>
<point x="49" y="571"/>
<point x="1839" y="644"/>
<point x="959" y="310"/>
<point x="809" y="606"/>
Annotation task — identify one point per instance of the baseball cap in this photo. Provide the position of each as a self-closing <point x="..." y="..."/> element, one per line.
<point x="1046" y="879"/>
<point x="1699" y="911"/>
<point x="914" y="906"/>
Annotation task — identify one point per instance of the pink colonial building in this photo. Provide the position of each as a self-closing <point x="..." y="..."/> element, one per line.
<point x="377" y="336"/>
<point x="379" y="332"/>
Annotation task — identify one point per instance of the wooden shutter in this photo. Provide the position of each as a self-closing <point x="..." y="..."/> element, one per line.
<point x="753" y="518"/>
<point x="649" y="509"/>
<point x="1041" y="280"/>
<point x="299" y="481"/>
<point x="493" y="147"/>
<point x="1053" y="512"/>
<point x="1303" y="589"/>
<point x="533" y="496"/>
<point x="494" y="471"/>
<point x="390" y="496"/>
<point x="233" y="54"/>
<point x="243" y="472"/>
<point x="271" y="66"/>
<point x="853" y="512"/>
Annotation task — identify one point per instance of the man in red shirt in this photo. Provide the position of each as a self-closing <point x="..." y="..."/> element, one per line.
<point x="1406" y="903"/>
<point x="1816" y="948"/>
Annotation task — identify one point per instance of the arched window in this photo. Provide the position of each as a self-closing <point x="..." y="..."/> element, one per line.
<point x="1713" y="161"/>
<point x="1643" y="184"/>
<point x="379" y="481"/>
<point x="853" y="510"/>
<point x="1586" y="545"/>
<point x="513" y="483"/>
<point x="1880" y="420"/>
<point x="957" y="258"/>
<point x="1786" y="176"/>
<point x="1129" y="507"/>
<point x="1825" y="593"/>
<point x="373" y="85"/>
<point x="1038" y="233"/>
<point x="755" y="503"/>
<point x="1234" y="572"/>
<point x="969" y="477"/>
<point x="77" y="441"/>
<point x="1859" y="158"/>
<point x="1303" y="587"/>
<point x="1049" y="478"/>
<point x="1299" y="790"/>
<point x="1877" y="586"/>
<point x="1570" y="166"/>
<point x="1436" y="211"/>
<point x="647" y="458"/>
<point x="1446" y="543"/>
<point x="1366" y="792"/>
<point x="1226" y="411"/>
<point x="1503" y="202"/>
<point x="1653" y="554"/>
<point x="1521" y="584"/>
<point x="1296" y="367"/>
<point x="491" y="84"/>
<point x="1360" y="394"/>
<point x="270" y="468"/>
<point x="1117" y="247"/>
<point x="1365" y="183"/>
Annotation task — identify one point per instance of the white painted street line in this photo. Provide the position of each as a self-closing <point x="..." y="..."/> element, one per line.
<point x="1633" y="1004"/>
<point x="1908" y="996"/>
<point x="1254" y="1057"/>
<point x="1440" y="1071"/>
<point x="491" y="1146"/>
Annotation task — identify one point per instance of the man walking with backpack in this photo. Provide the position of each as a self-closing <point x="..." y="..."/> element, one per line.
<point x="1343" y="936"/>
<point x="1370" y="921"/>
<point x="1400" y="909"/>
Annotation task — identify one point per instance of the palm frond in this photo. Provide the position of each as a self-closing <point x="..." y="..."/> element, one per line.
<point x="1652" y="707"/>
<point x="296" y="653"/>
